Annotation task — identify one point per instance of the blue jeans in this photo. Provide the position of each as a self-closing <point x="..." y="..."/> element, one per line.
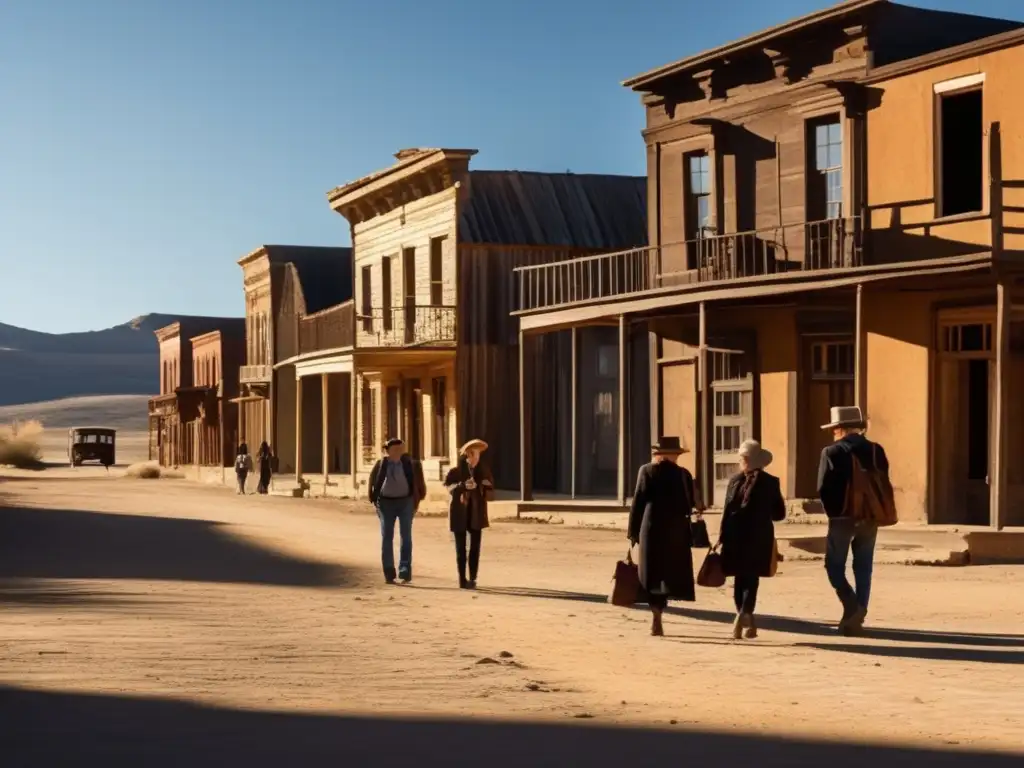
<point x="388" y="511"/>
<point x="845" y="534"/>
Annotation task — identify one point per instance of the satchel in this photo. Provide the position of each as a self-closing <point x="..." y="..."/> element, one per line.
<point x="712" y="574"/>
<point x="626" y="589"/>
<point x="699" y="538"/>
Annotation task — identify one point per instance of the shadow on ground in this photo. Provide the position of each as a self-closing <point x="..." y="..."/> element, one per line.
<point x="80" y="545"/>
<point x="78" y="729"/>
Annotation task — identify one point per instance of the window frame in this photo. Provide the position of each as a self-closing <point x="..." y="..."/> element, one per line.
<point x="958" y="86"/>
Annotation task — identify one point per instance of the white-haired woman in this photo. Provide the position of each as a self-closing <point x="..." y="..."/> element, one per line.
<point x="471" y="485"/>
<point x="753" y="504"/>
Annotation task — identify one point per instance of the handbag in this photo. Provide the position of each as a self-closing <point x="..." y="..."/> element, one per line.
<point x="626" y="589"/>
<point x="712" y="574"/>
<point x="699" y="538"/>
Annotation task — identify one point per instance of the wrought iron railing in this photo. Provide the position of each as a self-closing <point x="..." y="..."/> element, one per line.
<point x="254" y="374"/>
<point x="406" y="326"/>
<point x="331" y="328"/>
<point x="802" y="247"/>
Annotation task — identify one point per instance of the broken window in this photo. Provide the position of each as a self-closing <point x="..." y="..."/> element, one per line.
<point x="960" y="156"/>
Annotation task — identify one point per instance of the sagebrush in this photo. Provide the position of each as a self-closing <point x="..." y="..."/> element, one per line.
<point x="21" y="444"/>
<point x="150" y="470"/>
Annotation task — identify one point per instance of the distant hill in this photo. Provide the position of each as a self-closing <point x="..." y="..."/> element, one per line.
<point x="122" y="360"/>
<point x="123" y="412"/>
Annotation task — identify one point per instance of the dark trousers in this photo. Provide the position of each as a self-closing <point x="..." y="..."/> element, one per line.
<point x="242" y="475"/>
<point x="474" y="553"/>
<point x="657" y="602"/>
<point x="744" y="593"/>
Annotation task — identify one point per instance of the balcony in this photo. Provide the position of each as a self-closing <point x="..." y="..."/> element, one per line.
<point x="816" y="246"/>
<point x="406" y="327"/>
<point x="332" y="328"/>
<point x="254" y="374"/>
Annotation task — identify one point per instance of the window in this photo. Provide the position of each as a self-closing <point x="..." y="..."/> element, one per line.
<point x="960" y="156"/>
<point x="971" y="337"/>
<point x="825" y="181"/>
<point x="832" y="359"/>
<point x="608" y="360"/>
<point x="368" y="404"/>
<point x="698" y="168"/>
<point x="367" y="299"/>
<point x="440" y="403"/>
<point x="436" y="271"/>
<point x="385" y="291"/>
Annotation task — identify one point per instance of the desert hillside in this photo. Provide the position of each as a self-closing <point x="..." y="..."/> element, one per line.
<point x="121" y="412"/>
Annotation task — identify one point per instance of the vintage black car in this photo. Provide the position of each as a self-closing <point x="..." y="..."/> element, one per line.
<point x="91" y="444"/>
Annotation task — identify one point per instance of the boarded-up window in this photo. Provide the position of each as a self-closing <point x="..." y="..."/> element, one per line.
<point x="436" y="271"/>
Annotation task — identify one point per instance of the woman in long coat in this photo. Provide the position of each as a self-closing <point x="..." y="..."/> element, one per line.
<point x="266" y="459"/>
<point x="660" y="522"/>
<point x="753" y="503"/>
<point x="471" y="485"/>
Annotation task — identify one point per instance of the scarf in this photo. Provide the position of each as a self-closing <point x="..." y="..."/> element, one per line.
<point x="749" y="478"/>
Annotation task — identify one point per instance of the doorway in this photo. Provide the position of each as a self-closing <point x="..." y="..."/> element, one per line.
<point x="732" y="395"/>
<point x="827" y="380"/>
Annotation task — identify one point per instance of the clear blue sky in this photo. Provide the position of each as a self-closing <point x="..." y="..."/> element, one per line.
<point x="146" y="145"/>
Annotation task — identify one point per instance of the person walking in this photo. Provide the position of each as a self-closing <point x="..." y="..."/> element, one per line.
<point x="850" y="452"/>
<point x="471" y="486"/>
<point x="266" y="460"/>
<point x="753" y="504"/>
<point x="243" y="466"/>
<point x="659" y="521"/>
<point x="397" y="487"/>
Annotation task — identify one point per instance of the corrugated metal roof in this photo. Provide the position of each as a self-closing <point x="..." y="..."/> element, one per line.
<point x="555" y="209"/>
<point x="325" y="274"/>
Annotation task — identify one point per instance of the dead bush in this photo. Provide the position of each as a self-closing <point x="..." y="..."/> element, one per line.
<point x="150" y="470"/>
<point x="20" y="445"/>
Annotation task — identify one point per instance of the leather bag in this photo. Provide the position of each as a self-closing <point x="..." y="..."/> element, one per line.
<point x="626" y="589"/>
<point x="712" y="574"/>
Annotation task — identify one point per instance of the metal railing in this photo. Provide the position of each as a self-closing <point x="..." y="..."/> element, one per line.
<point x="803" y="247"/>
<point x="331" y="328"/>
<point x="406" y="326"/>
<point x="254" y="374"/>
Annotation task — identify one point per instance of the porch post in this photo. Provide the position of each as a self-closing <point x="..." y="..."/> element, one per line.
<point x="353" y="430"/>
<point x="298" y="429"/>
<point x="623" y="406"/>
<point x="704" y="465"/>
<point x="574" y="362"/>
<point x="241" y="418"/>
<point x="859" y="352"/>
<point x="525" y="421"/>
<point x="999" y="484"/>
<point x="325" y="442"/>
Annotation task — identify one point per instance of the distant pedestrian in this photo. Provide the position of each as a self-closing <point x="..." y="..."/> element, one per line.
<point x="397" y="487"/>
<point x="266" y="460"/>
<point x="471" y="486"/>
<point x="851" y="453"/>
<point x="659" y="522"/>
<point x="753" y="504"/>
<point x="243" y="466"/>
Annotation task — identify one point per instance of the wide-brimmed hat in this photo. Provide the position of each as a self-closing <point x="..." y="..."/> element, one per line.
<point x="476" y="442"/>
<point x="669" y="446"/>
<point x="756" y="456"/>
<point x="845" y="416"/>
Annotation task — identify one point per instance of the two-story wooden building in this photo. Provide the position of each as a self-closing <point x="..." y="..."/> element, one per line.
<point x="431" y="354"/>
<point x="835" y="215"/>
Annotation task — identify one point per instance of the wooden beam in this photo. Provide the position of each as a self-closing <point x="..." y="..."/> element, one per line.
<point x="704" y="432"/>
<point x="525" y="421"/>
<point x="859" y="353"/>
<point x="623" y="406"/>
<point x="324" y="432"/>
<point x="574" y="385"/>
<point x="998" y="482"/>
<point x="298" y="430"/>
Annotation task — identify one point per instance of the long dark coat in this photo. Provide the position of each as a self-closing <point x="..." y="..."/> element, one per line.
<point x="468" y="509"/>
<point x="660" y="521"/>
<point x="748" y="530"/>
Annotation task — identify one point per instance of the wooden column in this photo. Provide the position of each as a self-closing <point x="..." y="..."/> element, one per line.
<point x="298" y="429"/>
<point x="525" y="420"/>
<point x="574" y="386"/>
<point x="704" y="455"/>
<point x="241" y="420"/>
<point x="353" y="428"/>
<point x="859" y="353"/>
<point x="623" y="407"/>
<point x="325" y="431"/>
<point x="999" y="463"/>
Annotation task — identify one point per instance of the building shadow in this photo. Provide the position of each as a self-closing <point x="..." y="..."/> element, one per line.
<point x="80" y="545"/>
<point x="41" y="593"/>
<point x="50" y="728"/>
<point x="928" y="653"/>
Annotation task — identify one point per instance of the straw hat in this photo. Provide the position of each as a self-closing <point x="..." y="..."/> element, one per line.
<point x="667" y="446"/>
<point x="756" y="456"/>
<point x="476" y="442"/>
<point x="845" y="416"/>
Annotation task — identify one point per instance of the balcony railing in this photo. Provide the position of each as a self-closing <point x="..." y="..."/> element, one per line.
<point x="803" y="247"/>
<point x="254" y="374"/>
<point x="331" y="328"/>
<point x="406" y="326"/>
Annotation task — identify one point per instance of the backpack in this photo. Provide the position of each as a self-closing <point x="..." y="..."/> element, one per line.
<point x="869" y="496"/>
<point x="239" y="463"/>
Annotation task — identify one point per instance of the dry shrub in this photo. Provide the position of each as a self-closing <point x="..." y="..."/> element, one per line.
<point x="150" y="470"/>
<point x="20" y="445"/>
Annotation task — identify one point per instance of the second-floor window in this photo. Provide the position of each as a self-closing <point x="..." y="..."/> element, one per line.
<point x="825" y="176"/>
<point x="698" y="205"/>
<point x="385" y="291"/>
<point x="961" y="153"/>
<point x="436" y="271"/>
<point x="366" y="300"/>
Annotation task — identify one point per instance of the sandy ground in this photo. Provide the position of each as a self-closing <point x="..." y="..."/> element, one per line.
<point x="163" y="623"/>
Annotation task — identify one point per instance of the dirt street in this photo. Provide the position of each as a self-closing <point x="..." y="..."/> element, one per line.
<point x="163" y="623"/>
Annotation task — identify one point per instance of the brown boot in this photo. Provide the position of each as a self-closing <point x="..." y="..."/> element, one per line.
<point x="657" y="630"/>
<point x="751" y="632"/>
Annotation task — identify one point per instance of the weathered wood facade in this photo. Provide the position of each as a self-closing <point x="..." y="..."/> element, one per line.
<point x="827" y="228"/>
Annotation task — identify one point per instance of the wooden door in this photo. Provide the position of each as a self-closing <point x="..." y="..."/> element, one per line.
<point x="732" y="414"/>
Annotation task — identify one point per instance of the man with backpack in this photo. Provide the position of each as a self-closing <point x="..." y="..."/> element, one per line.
<point x="854" y="488"/>
<point x="397" y="487"/>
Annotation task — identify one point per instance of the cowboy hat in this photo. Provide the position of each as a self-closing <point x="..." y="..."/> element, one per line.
<point x="476" y="442"/>
<point x="668" y="446"/>
<point x="845" y="416"/>
<point x="756" y="456"/>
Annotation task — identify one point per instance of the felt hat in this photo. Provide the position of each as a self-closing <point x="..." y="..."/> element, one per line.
<point x="845" y="416"/>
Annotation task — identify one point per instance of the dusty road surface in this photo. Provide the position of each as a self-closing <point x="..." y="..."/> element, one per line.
<point x="158" y="623"/>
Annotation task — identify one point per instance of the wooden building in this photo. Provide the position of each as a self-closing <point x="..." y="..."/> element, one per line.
<point x="282" y="283"/>
<point x="426" y="350"/>
<point x="199" y="358"/>
<point x="835" y="218"/>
